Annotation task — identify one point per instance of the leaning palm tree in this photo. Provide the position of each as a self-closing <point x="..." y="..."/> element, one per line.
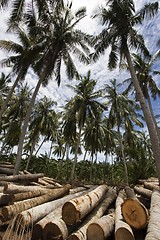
<point x="83" y="105"/>
<point x="144" y="69"/>
<point x="60" y="39"/>
<point x="119" y="19"/>
<point x="24" y="54"/>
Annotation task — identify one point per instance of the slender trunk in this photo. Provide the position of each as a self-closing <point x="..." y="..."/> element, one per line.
<point x="76" y="155"/>
<point x="123" y="156"/>
<point x="147" y="115"/>
<point x="40" y="146"/>
<point x="24" y="127"/>
<point x="153" y="117"/>
<point x="31" y="153"/>
<point x="50" y="150"/>
<point x="84" y="158"/>
<point x="4" y="106"/>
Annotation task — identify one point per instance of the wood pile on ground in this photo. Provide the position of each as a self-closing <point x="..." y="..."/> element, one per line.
<point x="35" y="207"/>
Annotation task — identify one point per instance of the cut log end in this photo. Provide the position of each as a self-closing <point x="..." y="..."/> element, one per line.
<point x="95" y="231"/>
<point x="37" y="232"/>
<point x="69" y="213"/>
<point x="123" y="234"/>
<point x="134" y="213"/>
<point x="55" y="230"/>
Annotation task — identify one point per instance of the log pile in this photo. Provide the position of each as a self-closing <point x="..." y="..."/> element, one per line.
<point x="35" y="207"/>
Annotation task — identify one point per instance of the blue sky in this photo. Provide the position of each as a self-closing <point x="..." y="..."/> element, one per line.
<point x="99" y="71"/>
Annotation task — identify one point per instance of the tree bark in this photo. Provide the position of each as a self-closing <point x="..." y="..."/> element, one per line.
<point x="25" y="125"/>
<point x="81" y="233"/>
<point x="153" y="230"/>
<point x="75" y="209"/>
<point x="20" y="178"/>
<point x="147" y="115"/>
<point x="122" y="230"/>
<point x="13" y="189"/>
<point x="151" y="186"/>
<point x="142" y="191"/>
<point x="133" y="211"/>
<point x="9" y="211"/>
<point x="101" y="229"/>
<point x="8" y="171"/>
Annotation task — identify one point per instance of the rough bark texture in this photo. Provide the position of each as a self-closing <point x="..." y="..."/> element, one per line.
<point x="102" y="228"/>
<point x="25" y="177"/>
<point x="33" y="215"/>
<point x="133" y="211"/>
<point x="94" y="215"/>
<point x="142" y="191"/>
<point x="153" y="230"/>
<point x="151" y="186"/>
<point x="75" y="209"/>
<point x="13" y="189"/>
<point x="122" y="230"/>
<point x="10" y="211"/>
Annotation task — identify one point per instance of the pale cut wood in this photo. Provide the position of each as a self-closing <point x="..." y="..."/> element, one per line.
<point x="10" y="211"/>
<point x="6" y="166"/>
<point x="1" y="189"/>
<point x="151" y="186"/>
<point x="153" y="229"/>
<point x="56" y="213"/>
<point x="77" y="189"/>
<point x="94" y="215"/>
<point x="143" y="191"/>
<point x="75" y="209"/>
<point x="133" y="211"/>
<point x="14" y="178"/>
<point x="122" y="230"/>
<point x="101" y="229"/>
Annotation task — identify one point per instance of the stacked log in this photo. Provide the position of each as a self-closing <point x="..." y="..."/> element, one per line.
<point x="43" y="212"/>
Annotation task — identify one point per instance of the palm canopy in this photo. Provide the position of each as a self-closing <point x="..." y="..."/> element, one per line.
<point x="25" y="52"/>
<point x="120" y="19"/>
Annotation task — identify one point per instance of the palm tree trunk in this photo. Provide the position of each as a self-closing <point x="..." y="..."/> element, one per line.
<point x="40" y="146"/>
<point x="153" y="117"/>
<point x="147" y="115"/>
<point x="4" y="106"/>
<point x="123" y="156"/>
<point x="76" y="155"/>
<point x="31" y="153"/>
<point x="24" y="127"/>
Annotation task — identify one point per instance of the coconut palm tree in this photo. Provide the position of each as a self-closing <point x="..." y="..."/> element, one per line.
<point x="121" y="115"/>
<point x="57" y="30"/>
<point x="144" y="69"/>
<point x="14" y="116"/>
<point x="43" y="122"/>
<point x="83" y="105"/>
<point x="119" y="19"/>
<point x="25" y="53"/>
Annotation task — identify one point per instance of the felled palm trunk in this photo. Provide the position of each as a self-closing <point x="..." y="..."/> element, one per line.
<point x="81" y="233"/>
<point x="13" y="189"/>
<point x="121" y="228"/>
<point x="101" y="229"/>
<point x="25" y="177"/>
<point x="9" y="211"/>
<point x="133" y="211"/>
<point x="153" y="230"/>
<point x="143" y="191"/>
<point x="75" y="209"/>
